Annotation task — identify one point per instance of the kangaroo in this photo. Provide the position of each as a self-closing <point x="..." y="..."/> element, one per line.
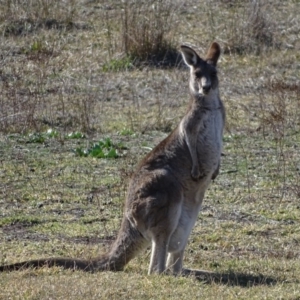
<point x="166" y="191"/>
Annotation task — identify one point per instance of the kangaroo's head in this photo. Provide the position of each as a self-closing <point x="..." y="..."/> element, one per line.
<point x="203" y="79"/>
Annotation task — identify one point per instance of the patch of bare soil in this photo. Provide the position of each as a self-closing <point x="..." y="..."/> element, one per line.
<point x="20" y="231"/>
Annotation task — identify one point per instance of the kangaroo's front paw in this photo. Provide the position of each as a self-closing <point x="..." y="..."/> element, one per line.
<point x="195" y="173"/>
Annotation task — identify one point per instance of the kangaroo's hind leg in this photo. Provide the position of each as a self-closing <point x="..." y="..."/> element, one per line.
<point x="155" y="210"/>
<point x="174" y="262"/>
<point x="161" y="233"/>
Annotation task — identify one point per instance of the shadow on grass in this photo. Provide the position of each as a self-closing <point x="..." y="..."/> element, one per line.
<point x="230" y="278"/>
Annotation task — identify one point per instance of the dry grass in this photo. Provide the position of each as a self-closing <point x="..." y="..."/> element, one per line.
<point x="140" y="34"/>
<point x="147" y="32"/>
<point x="251" y="28"/>
<point x="57" y="72"/>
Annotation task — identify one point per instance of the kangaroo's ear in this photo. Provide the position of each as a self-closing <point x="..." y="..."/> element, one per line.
<point x="190" y="57"/>
<point x="213" y="53"/>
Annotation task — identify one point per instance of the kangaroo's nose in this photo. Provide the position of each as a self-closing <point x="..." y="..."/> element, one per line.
<point x="206" y="88"/>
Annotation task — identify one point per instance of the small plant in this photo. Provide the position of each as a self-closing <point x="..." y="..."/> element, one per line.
<point x="36" y="138"/>
<point x="126" y="132"/>
<point x="115" y="65"/>
<point x="103" y="149"/>
<point x="75" y="135"/>
<point x="51" y="133"/>
<point x="41" y="137"/>
<point x="37" y="46"/>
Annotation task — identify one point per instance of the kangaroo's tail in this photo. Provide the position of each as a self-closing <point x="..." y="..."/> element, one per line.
<point x="66" y="263"/>
<point x="128" y="243"/>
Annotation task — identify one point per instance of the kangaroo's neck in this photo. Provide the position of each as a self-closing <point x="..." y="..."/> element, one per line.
<point x="210" y="101"/>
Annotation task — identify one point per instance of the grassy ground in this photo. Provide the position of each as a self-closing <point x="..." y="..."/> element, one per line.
<point x="65" y="86"/>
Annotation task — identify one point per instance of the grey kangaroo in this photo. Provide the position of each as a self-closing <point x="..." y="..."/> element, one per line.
<point x="167" y="189"/>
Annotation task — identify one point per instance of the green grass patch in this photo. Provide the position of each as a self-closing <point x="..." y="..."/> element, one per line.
<point x="103" y="149"/>
<point x="116" y="65"/>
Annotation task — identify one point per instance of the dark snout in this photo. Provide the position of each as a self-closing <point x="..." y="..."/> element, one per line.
<point x="206" y="88"/>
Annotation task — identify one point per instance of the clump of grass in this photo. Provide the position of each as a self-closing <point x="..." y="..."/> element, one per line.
<point x="250" y="30"/>
<point x="146" y="34"/>
<point x="18" y="108"/>
<point x="39" y="50"/>
<point x="281" y="113"/>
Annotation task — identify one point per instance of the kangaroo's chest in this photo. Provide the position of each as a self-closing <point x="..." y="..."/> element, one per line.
<point x="209" y="140"/>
